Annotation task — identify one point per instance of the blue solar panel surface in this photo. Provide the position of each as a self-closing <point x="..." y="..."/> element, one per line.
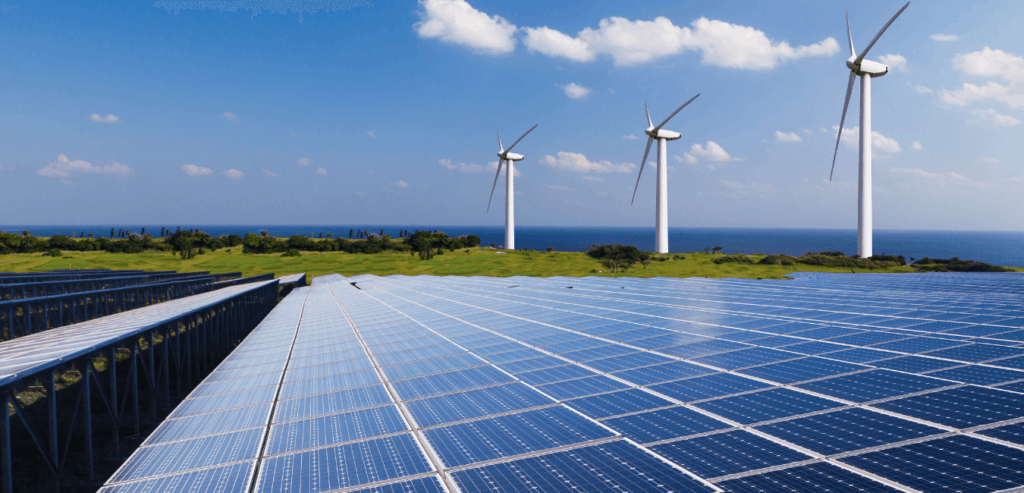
<point x="422" y="384"/>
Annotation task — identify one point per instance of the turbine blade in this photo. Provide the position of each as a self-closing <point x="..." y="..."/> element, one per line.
<point x="849" y="91"/>
<point x="879" y="35"/>
<point x="521" y="138"/>
<point x="500" y="161"/>
<point x="649" y="123"/>
<point x="848" y="35"/>
<point x="502" y="149"/>
<point x="662" y="124"/>
<point x="642" y="161"/>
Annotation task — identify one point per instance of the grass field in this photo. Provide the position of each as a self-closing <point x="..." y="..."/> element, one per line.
<point x="483" y="262"/>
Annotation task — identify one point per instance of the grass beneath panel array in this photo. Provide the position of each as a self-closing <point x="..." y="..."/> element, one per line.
<point x="471" y="262"/>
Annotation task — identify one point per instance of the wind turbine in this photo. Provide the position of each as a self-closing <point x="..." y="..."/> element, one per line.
<point x="511" y="157"/>
<point x="866" y="69"/>
<point x="661" y="210"/>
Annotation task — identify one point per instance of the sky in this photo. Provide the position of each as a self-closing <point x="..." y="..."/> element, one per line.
<point x="372" y="112"/>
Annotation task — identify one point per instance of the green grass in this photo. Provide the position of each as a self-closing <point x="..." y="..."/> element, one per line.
<point x="472" y="262"/>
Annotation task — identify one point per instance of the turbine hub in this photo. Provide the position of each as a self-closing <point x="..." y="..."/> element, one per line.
<point x="511" y="156"/>
<point x="661" y="133"/>
<point x="867" y="67"/>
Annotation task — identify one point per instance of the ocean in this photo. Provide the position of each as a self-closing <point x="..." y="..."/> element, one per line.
<point x="999" y="248"/>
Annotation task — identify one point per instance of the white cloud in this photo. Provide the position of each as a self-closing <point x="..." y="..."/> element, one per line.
<point x="710" y="152"/>
<point x="808" y="131"/>
<point x="593" y="178"/>
<point x="916" y="145"/>
<point x="371" y="134"/>
<point x="400" y="184"/>
<point x="990" y="160"/>
<point x="991" y="116"/>
<point x="969" y="93"/>
<point x="63" y="167"/>
<point x="579" y="162"/>
<point x="557" y="44"/>
<point x="633" y="42"/>
<point x="787" y="137"/>
<point x="750" y="188"/>
<point x="575" y="91"/>
<point x="193" y="170"/>
<point x="921" y="89"/>
<point x="321" y="172"/>
<point x="234" y="174"/>
<point x="880" y="144"/>
<point x="271" y="173"/>
<point x="945" y="37"/>
<point x="689" y="158"/>
<point x="456" y="22"/>
<point x="493" y="165"/>
<point x="991" y="63"/>
<point x="230" y="116"/>
<point x="104" y="119"/>
<point x="896" y="62"/>
<point x="304" y="161"/>
<point x="630" y="137"/>
<point x="461" y="167"/>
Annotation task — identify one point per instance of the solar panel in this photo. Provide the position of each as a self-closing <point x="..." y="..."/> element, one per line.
<point x="826" y="383"/>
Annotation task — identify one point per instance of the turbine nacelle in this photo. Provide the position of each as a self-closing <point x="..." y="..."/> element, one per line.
<point x="661" y="133"/>
<point x="510" y="156"/>
<point x="874" y="69"/>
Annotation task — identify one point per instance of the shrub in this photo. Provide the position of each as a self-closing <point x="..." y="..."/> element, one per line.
<point x="955" y="265"/>
<point x="778" y="259"/>
<point x="736" y="258"/>
<point x="292" y="253"/>
<point x="53" y="252"/>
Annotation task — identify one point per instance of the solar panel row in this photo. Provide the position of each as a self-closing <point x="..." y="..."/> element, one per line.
<point x="858" y="383"/>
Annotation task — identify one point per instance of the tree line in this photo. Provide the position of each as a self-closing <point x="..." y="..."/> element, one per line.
<point x="189" y="243"/>
<point x="373" y="243"/>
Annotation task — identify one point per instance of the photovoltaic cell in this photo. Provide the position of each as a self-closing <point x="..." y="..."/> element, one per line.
<point x="766" y="405"/>
<point x="330" y="403"/>
<point x="847" y="430"/>
<point x="475" y="404"/>
<point x="225" y="479"/>
<point x="186" y="455"/>
<point x="719" y="384"/>
<point x="664" y="424"/>
<point x="343" y="466"/>
<point x="336" y="428"/>
<point x="510" y="435"/>
<point x="820" y="476"/>
<point x="961" y="407"/>
<point x="615" y="466"/>
<point x="957" y="463"/>
<point x="727" y="453"/>
<point x="873" y="385"/>
<point x="616" y="403"/>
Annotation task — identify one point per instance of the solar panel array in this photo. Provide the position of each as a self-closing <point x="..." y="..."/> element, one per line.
<point x="420" y="384"/>
<point x="30" y="354"/>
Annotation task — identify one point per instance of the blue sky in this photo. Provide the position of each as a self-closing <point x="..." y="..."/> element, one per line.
<point x="135" y="113"/>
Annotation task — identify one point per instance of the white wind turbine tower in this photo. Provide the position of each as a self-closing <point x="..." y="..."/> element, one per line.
<point x="661" y="209"/>
<point x="510" y="212"/>
<point x="867" y="70"/>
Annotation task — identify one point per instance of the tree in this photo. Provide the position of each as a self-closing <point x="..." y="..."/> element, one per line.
<point x="181" y="243"/>
<point x="111" y="232"/>
<point x="550" y="249"/>
<point x="716" y="249"/>
<point x="350" y="233"/>
<point x="707" y="250"/>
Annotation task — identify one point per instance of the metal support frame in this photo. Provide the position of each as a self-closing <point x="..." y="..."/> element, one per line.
<point x="211" y="334"/>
